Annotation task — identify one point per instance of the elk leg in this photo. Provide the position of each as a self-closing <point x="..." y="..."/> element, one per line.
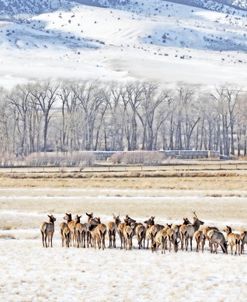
<point x="110" y="239"/>
<point x="46" y="240"/>
<point x="114" y="240"/>
<point x="42" y="234"/>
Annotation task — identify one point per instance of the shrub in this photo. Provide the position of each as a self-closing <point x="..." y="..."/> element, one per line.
<point x="76" y="159"/>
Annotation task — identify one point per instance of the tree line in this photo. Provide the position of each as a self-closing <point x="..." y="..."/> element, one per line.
<point x="73" y="116"/>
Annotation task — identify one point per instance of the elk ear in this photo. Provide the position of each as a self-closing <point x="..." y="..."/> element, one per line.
<point x="49" y="216"/>
<point x="87" y="214"/>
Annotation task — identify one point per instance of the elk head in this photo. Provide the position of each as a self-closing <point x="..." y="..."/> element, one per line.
<point x="89" y="215"/>
<point x="77" y="219"/>
<point x="150" y="221"/>
<point x="186" y="221"/>
<point x="68" y="217"/>
<point x="116" y="219"/>
<point x="51" y="218"/>
<point x="227" y="229"/>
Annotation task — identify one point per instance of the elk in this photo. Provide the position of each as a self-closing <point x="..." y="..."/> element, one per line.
<point x="120" y="229"/>
<point x="160" y="240"/>
<point x="216" y="238"/>
<point x="64" y="231"/>
<point x="180" y="231"/>
<point x="233" y="240"/>
<point x="112" y="227"/>
<point x="187" y="232"/>
<point x="172" y="236"/>
<point x="80" y="232"/>
<point x="200" y="239"/>
<point x="71" y="225"/>
<point x="47" y="231"/>
<point x="140" y="232"/>
<point x="98" y="232"/>
<point x="151" y="230"/>
<point x="128" y="232"/>
<point x="243" y="237"/>
<point x="89" y="237"/>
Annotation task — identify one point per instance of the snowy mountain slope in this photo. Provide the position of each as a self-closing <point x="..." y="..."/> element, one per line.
<point x="17" y="7"/>
<point x="130" y="39"/>
<point x="217" y="5"/>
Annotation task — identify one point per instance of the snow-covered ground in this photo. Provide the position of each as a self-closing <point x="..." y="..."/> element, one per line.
<point x="158" y="40"/>
<point x="32" y="273"/>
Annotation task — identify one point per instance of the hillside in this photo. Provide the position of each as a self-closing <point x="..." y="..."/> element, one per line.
<point x="217" y="5"/>
<point x="123" y="40"/>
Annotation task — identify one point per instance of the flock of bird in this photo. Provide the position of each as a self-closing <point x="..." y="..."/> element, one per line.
<point x="164" y="237"/>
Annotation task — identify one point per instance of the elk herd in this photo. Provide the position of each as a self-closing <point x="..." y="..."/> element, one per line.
<point x="148" y="234"/>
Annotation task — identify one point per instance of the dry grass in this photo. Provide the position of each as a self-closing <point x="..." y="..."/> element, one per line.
<point x="171" y="183"/>
<point x="189" y="176"/>
<point x="7" y="236"/>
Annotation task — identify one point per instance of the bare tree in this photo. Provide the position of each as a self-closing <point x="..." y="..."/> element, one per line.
<point x="45" y="96"/>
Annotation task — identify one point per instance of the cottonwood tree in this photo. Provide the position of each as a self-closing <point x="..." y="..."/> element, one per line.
<point x="93" y="104"/>
<point x="151" y="114"/>
<point x="44" y="98"/>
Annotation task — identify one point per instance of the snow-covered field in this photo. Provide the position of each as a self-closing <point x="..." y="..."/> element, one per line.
<point x="29" y="272"/>
<point x="158" y="40"/>
<point x="32" y="273"/>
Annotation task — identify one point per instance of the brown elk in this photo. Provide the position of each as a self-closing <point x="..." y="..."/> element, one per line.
<point x="80" y="232"/>
<point x="160" y="240"/>
<point x="98" y="232"/>
<point x="151" y="230"/>
<point x="233" y="240"/>
<point x="140" y="232"/>
<point x="216" y="238"/>
<point x="243" y="237"/>
<point x="187" y="232"/>
<point x="71" y="225"/>
<point x="112" y="228"/>
<point x="200" y="239"/>
<point x="180" y="231"/>
<point x="128" y="232"/>
<point x="172" y="237"/>
<point x="120" y="229"/>
<point x="89" y="237"/>
<point x="47" y="231"/>
<point x="64" y="231"/>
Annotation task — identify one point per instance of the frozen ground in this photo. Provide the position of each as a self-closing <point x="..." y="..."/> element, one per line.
<point x="158" y="40"/>
<point x="31" y="273"/>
